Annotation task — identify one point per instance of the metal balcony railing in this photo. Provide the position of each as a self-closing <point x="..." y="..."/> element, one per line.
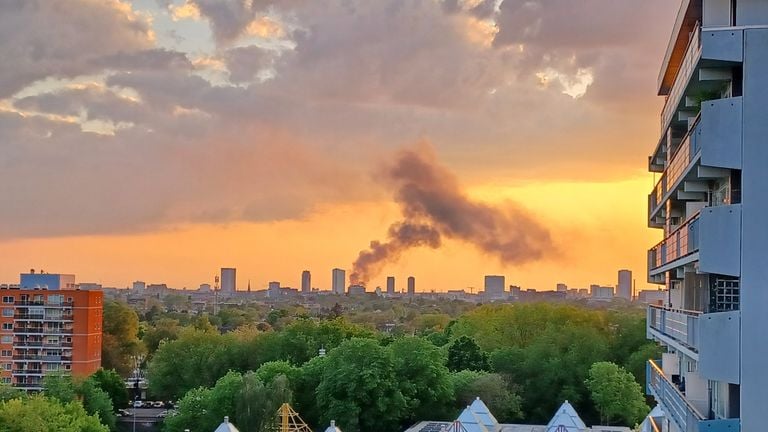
<point x="688" y="65"/>
<point x="680" y="243"/>
<point x="676" y="407"/>
<point x="679" y="325"/>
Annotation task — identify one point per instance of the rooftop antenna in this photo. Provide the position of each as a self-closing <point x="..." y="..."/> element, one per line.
<point x="216" y="295"/>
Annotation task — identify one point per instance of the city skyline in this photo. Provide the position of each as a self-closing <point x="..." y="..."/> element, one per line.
<point x="183" y="142"/>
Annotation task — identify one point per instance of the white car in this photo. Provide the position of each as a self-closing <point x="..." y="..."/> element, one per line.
<point x="138" y="404"/>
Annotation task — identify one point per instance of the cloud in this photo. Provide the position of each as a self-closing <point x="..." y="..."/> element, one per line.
<point x="64" y="38"/>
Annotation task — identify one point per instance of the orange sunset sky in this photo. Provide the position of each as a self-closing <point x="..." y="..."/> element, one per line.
<point x="160" y="140"/>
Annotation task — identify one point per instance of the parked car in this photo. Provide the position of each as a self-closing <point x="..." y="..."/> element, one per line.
<point x="157" y="404"/>
<point x="138" y="404"/>
<point x="124" y="413"/>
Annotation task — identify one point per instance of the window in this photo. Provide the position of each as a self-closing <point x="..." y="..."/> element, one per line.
<point x="5" y="353"/>
<point x="7" y="312"/>
<point x="6" y="380"/>
<point x="7" y="299"/>
<point x="7" y="326"/>
<point x="6" y="339"/>
<point x="7" y="366"/>
<point x="55" y="299"/>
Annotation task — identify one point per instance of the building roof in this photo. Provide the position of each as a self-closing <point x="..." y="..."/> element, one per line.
<point x="484" y="414"/>
<point x="566" y="417"/>
<point x="332" y="427"/>
<point x="226" y="426"/>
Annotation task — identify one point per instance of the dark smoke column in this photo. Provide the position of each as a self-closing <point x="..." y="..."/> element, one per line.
<point x="435" y="207"/>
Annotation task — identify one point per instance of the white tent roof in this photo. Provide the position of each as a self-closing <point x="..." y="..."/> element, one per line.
<point x="482" y="412"/>
<point x="471" y="422"/>
<point x="566" y="417"/>
<point x="226" y="426"/>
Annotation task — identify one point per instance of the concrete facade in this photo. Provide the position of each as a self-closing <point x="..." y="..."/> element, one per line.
<point x="711" y="203"/>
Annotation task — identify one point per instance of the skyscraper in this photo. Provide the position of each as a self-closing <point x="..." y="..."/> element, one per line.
<point x="411" y="286"/>
<point x="338" y="280"/>
<point x="494" y="286"/>
<point x="390" y="285"/>
<point x="624" y="288"/>
<point x="306" y="281"/>
<point x="228" y="280"/>
<point x="710" y="205"/>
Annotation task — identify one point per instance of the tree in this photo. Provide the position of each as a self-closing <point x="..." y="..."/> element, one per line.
<point x="360" y="391"/>
<point x="165" y="329"/>
<point x="423" y="378"/>
<point x="120" y="340"/>
<point x="64" y="389"/>
<point x="497" y="393"/>
<point x="41" y="414"/>
<point x="249" y="403"/>
<point x="271" y="370"/>
<point x="112" y="384"/>
<point x="616" y="393"/>
<point x="464" y="353"/>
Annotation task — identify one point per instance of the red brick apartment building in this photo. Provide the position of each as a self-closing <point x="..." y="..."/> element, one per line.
<point x="45" y="330"/>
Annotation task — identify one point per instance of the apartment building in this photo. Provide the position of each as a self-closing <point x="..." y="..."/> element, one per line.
<point x="45" y="330"/>
<point x="711" y="203"/>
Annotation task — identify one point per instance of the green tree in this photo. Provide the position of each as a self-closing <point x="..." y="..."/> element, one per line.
<point x="164" y="329"/>
<point x="64" y="389"/>
<point x="120" y="340"/>
<point x="41" y="414"/>
<point x="423" y="378"/>
<point x="271" y="370"/>
<point x="112" y="383"/>
<point x="360" y="391"/>
<point x="616" y="393"/>
<point x="498" y="394"/>
<point x="464" y="353"/>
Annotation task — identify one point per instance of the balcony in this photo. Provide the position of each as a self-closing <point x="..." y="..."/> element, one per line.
<point x="676" y="327"/>
<point x="678" y="410"/>
<point x="29" y="317"/>
<point x="678" y="248"/>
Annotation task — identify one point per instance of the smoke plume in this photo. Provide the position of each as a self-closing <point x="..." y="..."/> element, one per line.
<point x="434" y="206"/>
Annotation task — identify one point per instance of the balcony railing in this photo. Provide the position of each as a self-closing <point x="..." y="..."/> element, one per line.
<point x="677" y="408"/>
<point x="676" y="166"/>
<point x="682" y="242"/>
<point x="688" y="65"/>
<point x="679" y="325"/>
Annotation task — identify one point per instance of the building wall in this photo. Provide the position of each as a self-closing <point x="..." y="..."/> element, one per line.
<point x="411" y="285"/>
<point x="338" y="281"/>
<point x="306" y="281"/>
<point x="390" y="285"/>
<point x="50" y="280"/>
<point x="228" y="280"/>
<point x="87" y="331"/>
<point x="494" y="286"/>
<point x="754" y="238"/>
<point x="624" y="286"/>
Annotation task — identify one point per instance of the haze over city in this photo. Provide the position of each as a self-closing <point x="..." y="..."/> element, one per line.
<point x="198" y="135"/>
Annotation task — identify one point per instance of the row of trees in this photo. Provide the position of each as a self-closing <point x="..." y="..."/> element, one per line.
<point x="66" y="403"/>
<point x="523" y="360"/>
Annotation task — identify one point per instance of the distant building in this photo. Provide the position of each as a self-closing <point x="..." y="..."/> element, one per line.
<point x="204" y="287"/>
<point x="306" y="282"/>
<point x="273" y="288"/>
<point x="356" y="289"/>
<point x="624" y="287"/>
<point x="494" y="286"/>
<point x="655" y="297"/>
<point x="561" y="287"/>
<point x="411" y="286"/>
<point x="139" y="287"/>
<point x="228" y="280"/>
<point x="514" y="291"/>
<point x="598" y="292"/>
<point x="89" y="286"/>
<point x="49" y="330"/>
<point x="49" y="281"/>
<point x="338" y="281"/>
<point x="390" y="285"/>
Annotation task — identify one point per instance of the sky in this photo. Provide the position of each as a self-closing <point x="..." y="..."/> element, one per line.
<point x="160" y="140"/>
